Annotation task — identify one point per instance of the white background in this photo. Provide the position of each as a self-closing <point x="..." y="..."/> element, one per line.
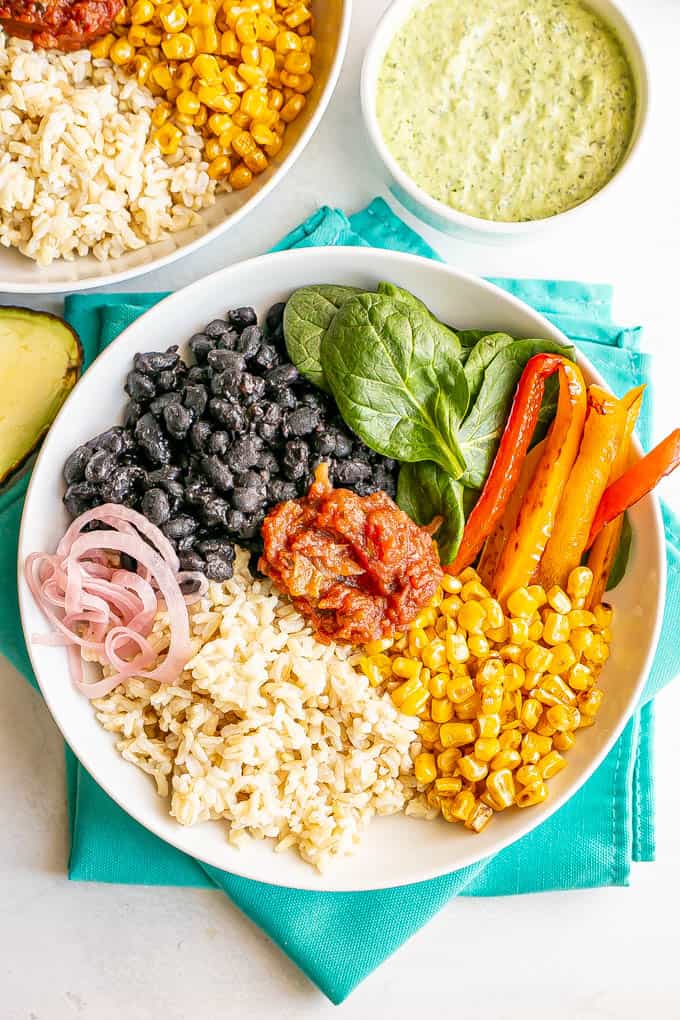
<point x="105" y="952"/>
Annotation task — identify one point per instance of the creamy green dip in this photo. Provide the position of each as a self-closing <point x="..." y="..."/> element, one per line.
<point x="506" y="109"/>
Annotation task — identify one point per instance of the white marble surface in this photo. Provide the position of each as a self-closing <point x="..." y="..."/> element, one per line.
<point x="104" y="952"/>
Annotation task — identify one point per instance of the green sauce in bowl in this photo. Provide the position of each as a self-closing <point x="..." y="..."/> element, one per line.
<point x="508" y="111"/>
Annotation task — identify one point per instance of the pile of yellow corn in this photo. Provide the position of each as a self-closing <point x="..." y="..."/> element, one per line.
<point x="500" y="692"/>
<point x="238" y="71"/>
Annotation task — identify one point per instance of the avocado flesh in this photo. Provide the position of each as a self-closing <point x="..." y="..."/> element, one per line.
<point x="40" y="361"/>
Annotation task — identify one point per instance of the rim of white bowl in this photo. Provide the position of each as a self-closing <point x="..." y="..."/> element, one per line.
<point x="261" y="265"/>
<point x="106" y="279"/>
<point x="395" y="15"/>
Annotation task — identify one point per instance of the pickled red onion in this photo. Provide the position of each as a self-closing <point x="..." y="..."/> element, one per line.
<point x="107" y="610"/>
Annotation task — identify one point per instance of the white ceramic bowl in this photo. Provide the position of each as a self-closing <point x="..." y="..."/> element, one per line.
<point x="397" y="850"/>
<point x="20" y="275"/>
<point x="441" y="216"/>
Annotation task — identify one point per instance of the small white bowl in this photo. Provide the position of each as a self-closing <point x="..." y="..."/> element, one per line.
<point x="397" y="850"/>
<point x="441" y="216"/>
<point x="21" y="275"/>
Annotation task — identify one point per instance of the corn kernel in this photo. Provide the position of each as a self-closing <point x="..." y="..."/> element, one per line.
<point x="188" y="102"/>
<point x="581" y="640"/>
<point x="462" y="807"/>
<point x="507" y="757"/>
<point x="563" y="658"/>
<point x="448" y="786"/>
<point x="469" y="709"/>
<point x="121" y="52"/>
<point x="531" y="795"/>
<point x="486" y="748"/>
<point x="101" y="48"/>
<point x="581" y="618"/>
<point x="442" y="710"/>
<point x="292" y="109"/>
<point x="500" y="784"/>
<point x="479" y="817"/>
<point x="564" y="741"/>
<point x="561" y="691"/>
<point x="538" y="594"/>
<point x="471" y="616"/>
<point x="434" y="654"/>
<point x="457" y="734"/>
<point x="401" y="666"/>
<point x="559" y="600"/>
<point x="428" y="732"/>
<point x="425" y="768"/>
<point x="179" y="47"/>
<point x="451" y="584"/>
<point x="589" y="702"/>
<point x="405" y="690"/>
<point x="564" y="717"/>
<point x="535" y="629"/>
<point x="537" y="659"/>
<point x="579" y="582"/>
<point x="460" y="689"/>
<point x="240" y="177"/>
<point x="528" y="775"/>
<point x="168" y="138"/>
<point x="489" y="725"/>
<point x="531" y="713"/>
<point x="520" y="603"/>
<point x="201" y="15"/>
<point x="510" y="739"/>
<point x="219" y="167"/>
<point x="448" y="759"/>
<point x="603" y="615"/>
<point x="472" y="769"/>
<point x="457" y="650"/>
<point x="551" y="764"/>
<point x="555" y="628"/>
<point x="518" y="631"/>
<point x="514" y="677"/>
<point x="416" y="702"/>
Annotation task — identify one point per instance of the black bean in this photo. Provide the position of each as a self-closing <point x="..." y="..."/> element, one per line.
<point x="169" y="380"/>
<point x="180" y="527"/>
<point x="251" y="387"/>
<point x="156" y="361"/>
<point x="267" y="432"/>
<point x="343" y="445"/>
<point x="300" y="422"/>
<point x="286" y="399"/>
<point x="228" y="339"/>
<point x="219" y="443"/>
<point x="245" y="500"/>
<point x="123" y="485"/>
<point x="248" y="344"/>
<point x="195" y="399"/>
<point x="177" y="420"/>
<point x="150" y="437"/>
<point x="199" y="434"/>
<point x="323" y="443"/>
<point x="99" y="467"/>
<point x="192" y="561"/>
<point x="243" y="453"/>
<point x="242" y="317"/>
<point x="213" y="512"/>
<point x="235" y="521"/>
<point x="272" y="413"/>
<point x="75" y="464"/>
<point x="221" y="360"/>
<point x="275" y="315"/>
<point x="139" y="387"/>
<point x="349" y="472"/>
<point x="133" y="412"/>
<point x="115" y="440"/>
<point x="219" y="544"/>
<point x="200" y="346"/>
<point x="267" y="461"/>
<point x="266" y="358"/>
<point x="249" y="480"/>
<point x="156" y="506"/>
<point x="279" y="491"/>
<point x="158" y="405"/>
<point x="295" y="459"/>
<point x="225" y="384"/>
<point x="162" y="476"/>
<point x="197" y="492"/>
<point x="79" y="497"/>
<point x="216" y="328"/>
<point x="217" y="473"/>
<point x="283" y="375"/>
<point x="199" y="374"/>
<point x="217" y="568"/>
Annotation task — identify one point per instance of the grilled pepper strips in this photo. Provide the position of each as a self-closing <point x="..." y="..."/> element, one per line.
<point x="602" y="435"/>
<point x="636" y="482"/>
<point x="504" y="474"/>
<point x="536" y="518"/>
<point x="605" y="546"/>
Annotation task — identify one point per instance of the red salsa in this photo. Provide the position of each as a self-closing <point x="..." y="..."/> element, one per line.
<point x="357" y="566"/>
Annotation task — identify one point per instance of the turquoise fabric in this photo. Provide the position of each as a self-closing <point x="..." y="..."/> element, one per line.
<point x="338" y="939"/>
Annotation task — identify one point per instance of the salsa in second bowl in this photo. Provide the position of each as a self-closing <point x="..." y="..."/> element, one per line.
<point x="510" y="113"/>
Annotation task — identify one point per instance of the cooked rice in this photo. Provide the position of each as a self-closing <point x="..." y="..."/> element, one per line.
<point x="79" y="172"/>
<point x="267" y="728"/>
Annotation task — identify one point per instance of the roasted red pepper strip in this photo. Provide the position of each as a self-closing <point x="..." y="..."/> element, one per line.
<point x="502" y="478"/>
<point x="636" y="482"/>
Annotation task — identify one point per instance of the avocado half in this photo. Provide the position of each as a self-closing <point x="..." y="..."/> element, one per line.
<point x="40" y="360"/>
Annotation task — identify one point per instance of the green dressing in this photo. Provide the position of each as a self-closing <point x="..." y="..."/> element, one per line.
<point x="509" y="111"/>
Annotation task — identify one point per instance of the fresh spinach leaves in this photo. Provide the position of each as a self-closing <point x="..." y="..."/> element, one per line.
<point x="396" y="380"/>
<point x="622" y="557"/>
<point x="481" y="431"/>
<point x="400" y="294"/>
<point x="306" y="318"/>
<point x="424" y="492"/>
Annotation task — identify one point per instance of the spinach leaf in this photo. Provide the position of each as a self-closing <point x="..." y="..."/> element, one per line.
<point x="396" y="380"/>
<point x="481" y="356"/>
<point x="482" y="429"/>
<point x="425" y="491"/>
<point x="306" y="318"/>
<point x="400" y="294"/>
<point x="622" y="554"/>
<point x="469" y="337"/>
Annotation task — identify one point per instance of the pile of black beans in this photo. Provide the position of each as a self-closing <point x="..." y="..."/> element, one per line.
<point x="205" y="450"/>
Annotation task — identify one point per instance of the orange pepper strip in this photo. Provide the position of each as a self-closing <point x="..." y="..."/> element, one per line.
<point x="505" y="470"/>
<point x="636" y="482"/>
<point x="602" y="435"/>
<point x="495" y="543"/>
<point x="605" y="546"/>
<point x="536" y="519"/>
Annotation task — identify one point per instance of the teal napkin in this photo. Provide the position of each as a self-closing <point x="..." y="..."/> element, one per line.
<point x="337" y="939"/>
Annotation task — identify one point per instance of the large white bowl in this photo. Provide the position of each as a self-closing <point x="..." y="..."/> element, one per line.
<point x="397" y="850"/>
<point x="21" y="275"/>
<point x="442" y="216"/>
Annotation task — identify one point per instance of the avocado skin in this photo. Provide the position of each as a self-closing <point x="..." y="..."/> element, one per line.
<point x="50" y="329"/>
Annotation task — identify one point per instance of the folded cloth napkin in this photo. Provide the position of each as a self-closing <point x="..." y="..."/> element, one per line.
<point x="337" y="939"/>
